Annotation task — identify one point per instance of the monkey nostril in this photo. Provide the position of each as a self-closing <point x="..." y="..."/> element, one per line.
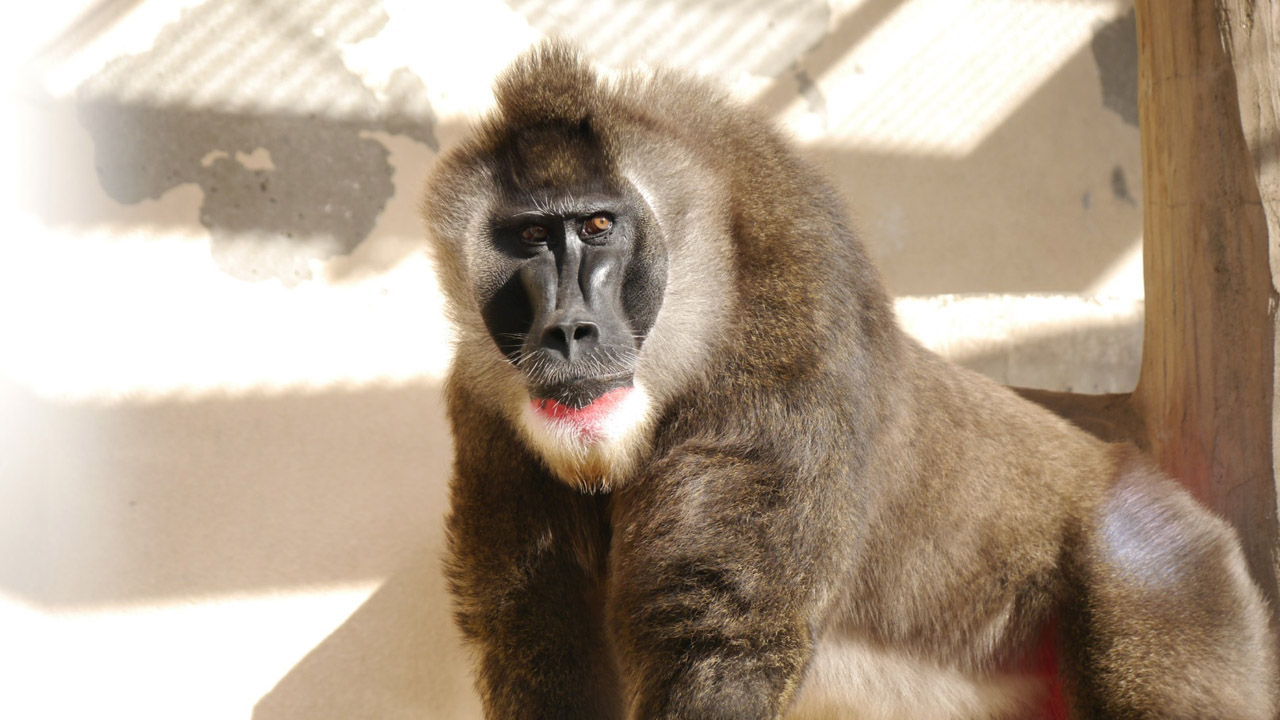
<point x="570" y="338"/>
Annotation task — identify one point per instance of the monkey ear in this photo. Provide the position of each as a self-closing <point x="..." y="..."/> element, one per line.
<point x="551" y="83"/>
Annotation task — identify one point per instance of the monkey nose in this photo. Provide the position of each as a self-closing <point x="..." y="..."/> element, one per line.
<point x="571" y="338"/>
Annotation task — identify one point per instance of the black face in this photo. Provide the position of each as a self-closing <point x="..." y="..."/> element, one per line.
<point x="582" y="283"/>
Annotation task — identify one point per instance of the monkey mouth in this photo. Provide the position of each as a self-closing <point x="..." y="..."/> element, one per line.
<point x="587" y="421"/>
<point x="581" y="393"/>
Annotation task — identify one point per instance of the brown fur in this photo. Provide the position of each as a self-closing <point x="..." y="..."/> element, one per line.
<point x="806" y="476"/>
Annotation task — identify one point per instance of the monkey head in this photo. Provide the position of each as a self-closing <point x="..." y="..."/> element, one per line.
<point x="576" y="269"/>
<point x="549" y="235"/>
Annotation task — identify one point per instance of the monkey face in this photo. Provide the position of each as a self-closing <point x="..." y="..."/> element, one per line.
<point x="582" y="288"/>
<point x="584" y="253"/>
<point x="576" y="277"/>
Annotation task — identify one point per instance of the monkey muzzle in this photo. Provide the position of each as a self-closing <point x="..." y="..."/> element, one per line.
<point x="579" y="346"/>
<point x="579" y="290"/>
<point x="588" y="420"/>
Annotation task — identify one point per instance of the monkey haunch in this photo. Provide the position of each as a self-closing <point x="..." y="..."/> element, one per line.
<point x="701" y="473"/>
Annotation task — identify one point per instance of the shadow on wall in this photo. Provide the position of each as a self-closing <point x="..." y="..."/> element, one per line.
<point x="273" y="493"/>
<point x="251" y="101"/>
<point x="286" y="152"/>
<point x="1036" y="207"/>
<point x="396" y="658"/>
<point x="218" y="496"/>
<point x="1025" y="231"/>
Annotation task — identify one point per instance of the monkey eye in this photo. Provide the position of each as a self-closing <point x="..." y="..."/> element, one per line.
<point x="597" y="224"/>
<point x="534" y="234"/>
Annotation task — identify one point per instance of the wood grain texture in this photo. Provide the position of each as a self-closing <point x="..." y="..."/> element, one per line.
<point x="1252" y="34"/>
<point x="1206" y="393"/>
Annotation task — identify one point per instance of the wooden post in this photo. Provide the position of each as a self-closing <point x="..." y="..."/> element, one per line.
<point x="1206" y="393"/>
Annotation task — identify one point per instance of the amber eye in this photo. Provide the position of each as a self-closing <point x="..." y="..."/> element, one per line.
<point x="597" y="224"/>
<point x="534" y="234"/>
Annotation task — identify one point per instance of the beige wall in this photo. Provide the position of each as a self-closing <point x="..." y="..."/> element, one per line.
<point x="222" y="449"/>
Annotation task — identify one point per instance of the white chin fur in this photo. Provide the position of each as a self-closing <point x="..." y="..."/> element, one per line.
<point x="597" y="460"/>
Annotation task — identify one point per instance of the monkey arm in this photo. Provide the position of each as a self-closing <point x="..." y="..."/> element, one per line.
<point x="532" y="611"/>
<point x="526" y="564"/>
<point x="715" y="597"/>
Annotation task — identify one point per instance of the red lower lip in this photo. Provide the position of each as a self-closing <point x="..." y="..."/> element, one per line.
<point x="586" y="419"/>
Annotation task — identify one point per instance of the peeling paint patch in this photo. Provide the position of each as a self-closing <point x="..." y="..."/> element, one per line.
<point x="1120" y="186"/>
<point x="213" y="156"/>
<point x="271" y="127"/>
<point x="811" y="93"/>
<point x="1115" y="50"/>
<point x="259" y="159"/>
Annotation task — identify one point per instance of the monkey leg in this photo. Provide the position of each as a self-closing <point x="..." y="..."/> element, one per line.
<point x="1169" y="624"/>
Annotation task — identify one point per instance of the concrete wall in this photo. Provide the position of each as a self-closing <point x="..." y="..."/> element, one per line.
<point x="222" y="449"/>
